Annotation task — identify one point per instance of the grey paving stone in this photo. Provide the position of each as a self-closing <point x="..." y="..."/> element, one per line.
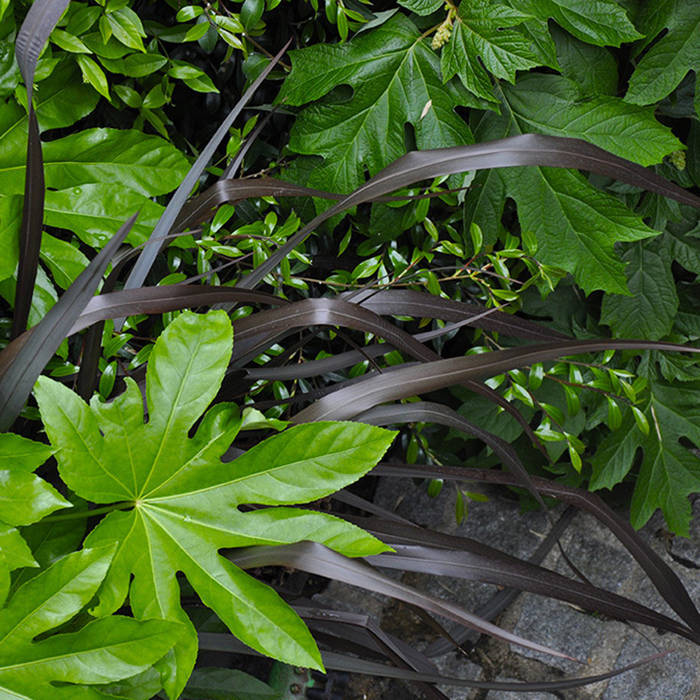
<point x="670" y="678"/>
<point x="559" y="627"/>
<point x="604" y="644"/>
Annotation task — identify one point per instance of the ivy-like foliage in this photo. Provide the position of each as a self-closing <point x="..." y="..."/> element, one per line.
<point x="177" y="504"/>
<point x="668" y="471"/>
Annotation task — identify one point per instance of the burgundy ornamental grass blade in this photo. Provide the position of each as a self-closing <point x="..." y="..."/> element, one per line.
<point x="23" y="360"/>
<point x="526" y="149"/>
<point x="40" y="21"/>
<point x="151" y="249"/>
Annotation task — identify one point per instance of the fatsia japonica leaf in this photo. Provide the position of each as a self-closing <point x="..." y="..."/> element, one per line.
<point x="178" y="504"/>
<point x="24" y="499"/>
<point x="669" y="471"/>
<point x="395" y="77"/>
<point x="103" y="651"/>
<point x="484" y="32"/>
<point x="668" y="60"/>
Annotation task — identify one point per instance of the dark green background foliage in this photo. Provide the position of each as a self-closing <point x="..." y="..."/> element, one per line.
<point x="127" y="94"/>
<point x="601" y="71"/>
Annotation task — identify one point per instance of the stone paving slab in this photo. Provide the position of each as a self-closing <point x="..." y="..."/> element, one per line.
<point x="602" y="643"/>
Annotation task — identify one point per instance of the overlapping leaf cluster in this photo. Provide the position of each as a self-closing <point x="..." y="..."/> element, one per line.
<point x="178" y="521"/>
<point x="541" y="66"/>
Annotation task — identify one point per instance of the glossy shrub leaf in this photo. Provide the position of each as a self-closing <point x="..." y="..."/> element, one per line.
<point x="81" y="170"/>
<point x="143" y="163"/>
<point x="25" y="357"/>
<point x="65" y="261"/>
<point x="191" y="179"/>
<point x="103" y="651"/>
<point x="93" y="74"/>
<point x="94" y="211"/>
<point x="676" y="26"/>
<point x="10" y="221"/>
<point x="183" y="500"/>
<point x="394" y="74"/>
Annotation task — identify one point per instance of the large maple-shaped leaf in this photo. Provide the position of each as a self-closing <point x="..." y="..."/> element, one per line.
<point x="183" y="502"/>
<point x="396" y="80"/>
<point x="669" y="60"/>
<point x="650" y="311"/>
<point x="552" y="104"/>
<point x="484" y="33"/>
<point x="600" y="22"/>
<point x="669" y="471"/>
<point x="103" y="651"/>
<point x="576" y="225"/>
<point x="24" y="499"/>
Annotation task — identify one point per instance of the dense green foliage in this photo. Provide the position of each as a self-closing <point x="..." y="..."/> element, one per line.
<point x="126" y="94"/>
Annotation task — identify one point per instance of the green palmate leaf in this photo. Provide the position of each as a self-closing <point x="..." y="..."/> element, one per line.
<point x="575" y="224"/>
<point x="668" y="61"/>
<point x="650" y="311"/>
<point x="14" y="554"/>
<point x="143" y="686"/>
<point x="103" y="651"/>
<point x="593" y="68"/>
<point x="483" y="34"/>
<point x="183" y="500"/>
<point x="395" y="76"/>
<point x="600" y="22"/>
<point x="48" y="542"/>
<point x="669" y="471"/>
<point x="685" y="247"/>
<point x="24" y="497"/>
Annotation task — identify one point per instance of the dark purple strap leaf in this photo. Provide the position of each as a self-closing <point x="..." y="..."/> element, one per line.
<point x="23" y="360"/>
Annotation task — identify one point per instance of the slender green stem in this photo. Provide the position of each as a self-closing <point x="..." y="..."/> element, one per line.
<point x="82" y="514"/>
